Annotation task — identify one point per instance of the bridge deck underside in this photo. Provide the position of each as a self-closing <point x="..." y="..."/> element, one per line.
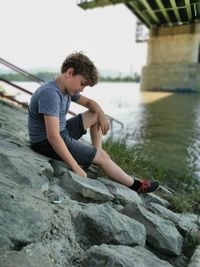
<point x="155" y="13"/>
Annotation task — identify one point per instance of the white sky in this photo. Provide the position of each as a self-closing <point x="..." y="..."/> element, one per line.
<point x="40" y="33"/>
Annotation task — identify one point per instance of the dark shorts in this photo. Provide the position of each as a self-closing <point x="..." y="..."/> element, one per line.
<point x="82" y="153"/>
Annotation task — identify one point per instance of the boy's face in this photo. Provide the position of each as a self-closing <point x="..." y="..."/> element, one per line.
<point x="74" y="83"/>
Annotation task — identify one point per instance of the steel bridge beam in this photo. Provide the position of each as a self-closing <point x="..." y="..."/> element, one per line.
<point x="155" y="13"/>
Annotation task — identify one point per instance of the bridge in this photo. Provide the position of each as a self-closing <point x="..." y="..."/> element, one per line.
<point x="173" y="61"/>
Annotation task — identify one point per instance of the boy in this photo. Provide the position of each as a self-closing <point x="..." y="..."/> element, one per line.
<point x="50" y="134"/>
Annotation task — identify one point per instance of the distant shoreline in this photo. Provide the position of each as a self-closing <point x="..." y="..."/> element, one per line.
<point x="46" y="76"/>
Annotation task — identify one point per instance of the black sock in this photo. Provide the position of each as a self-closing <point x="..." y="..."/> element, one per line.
<point x="135" y="185"/>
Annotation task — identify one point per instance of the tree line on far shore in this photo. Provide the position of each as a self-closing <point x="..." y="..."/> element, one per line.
<point x="46" y="76"/>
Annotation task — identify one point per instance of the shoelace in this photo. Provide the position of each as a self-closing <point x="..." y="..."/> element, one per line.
<point x="144" y="186"/>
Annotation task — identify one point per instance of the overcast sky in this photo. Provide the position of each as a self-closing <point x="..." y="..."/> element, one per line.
<point x="40" y="33"/>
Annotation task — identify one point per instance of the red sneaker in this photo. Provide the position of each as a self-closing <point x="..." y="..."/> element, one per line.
<point x="148" y="186"/>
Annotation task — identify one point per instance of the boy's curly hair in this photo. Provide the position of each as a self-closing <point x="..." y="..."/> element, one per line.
<point x="82" y="65"/>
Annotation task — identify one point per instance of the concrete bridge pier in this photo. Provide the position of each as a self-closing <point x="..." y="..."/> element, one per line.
<point x="173" y="61"/>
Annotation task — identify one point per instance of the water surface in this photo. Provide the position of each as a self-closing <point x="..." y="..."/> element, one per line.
<point x="165" y="125"/>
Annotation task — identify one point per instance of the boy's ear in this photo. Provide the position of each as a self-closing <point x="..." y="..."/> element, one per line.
<point x="70" y="72"/>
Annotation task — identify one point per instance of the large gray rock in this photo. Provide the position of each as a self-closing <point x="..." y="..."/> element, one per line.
<point x="20" y="224"/>
<point x="153" y="198"/>
<point x="10" y="125"/>
<point x="185" y="222"/>
<point x="60" y="238"/>
<point x="99" y="224"/>
<point x="17" y="161"/>
<point x="59" y="167"/>
<point x="161" y="234"/>
<point x="25" y="168"/>
<point x="122" y="193"/>
<point x="121" y="256"/>
<point x="85" y="189"/>
<point x="33" y="255"/>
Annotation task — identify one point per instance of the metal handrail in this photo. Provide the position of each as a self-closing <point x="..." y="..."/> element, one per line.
<point x="21" y="71"/>
<point x="25" y="105"/>
<point x="16" y="86"/>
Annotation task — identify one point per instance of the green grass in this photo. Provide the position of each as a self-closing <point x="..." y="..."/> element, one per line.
<point x="134" y="162"/>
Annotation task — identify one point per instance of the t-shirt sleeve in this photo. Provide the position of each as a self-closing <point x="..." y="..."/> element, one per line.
<point x="74" y="98"/>
<point x="49" y="102"/>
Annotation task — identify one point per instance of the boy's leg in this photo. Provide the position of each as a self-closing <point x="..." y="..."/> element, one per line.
<point x="90" y="121"/>
<point x="110" y="168"/>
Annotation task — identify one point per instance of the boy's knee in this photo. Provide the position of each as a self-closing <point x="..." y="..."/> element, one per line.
<point x="101" y="156"/>
<point x="94" y="119"/>
<point x="89" y="119"/>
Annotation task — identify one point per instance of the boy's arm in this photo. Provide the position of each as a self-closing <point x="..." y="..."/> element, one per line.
<point x="95" y="107"/>
<point x="56" y="141"/>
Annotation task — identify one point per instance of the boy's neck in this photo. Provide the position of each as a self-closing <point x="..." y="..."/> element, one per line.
<point x="60" y="83"/>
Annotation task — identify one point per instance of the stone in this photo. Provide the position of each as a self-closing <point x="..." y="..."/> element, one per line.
<point x="84" y="188"/>
<point x="123" y="194"/>
<point x="99" y="224"/>
<point x="153" y="198"/>
<point x="33" y="255"/>
<point x="161" y="234"/>
<point x="185" y="222"/>
<point x="121" y="256"/>
<point x="14" y="162"/>
<point x="59" y="167"/>
<point x="20" y="224"/>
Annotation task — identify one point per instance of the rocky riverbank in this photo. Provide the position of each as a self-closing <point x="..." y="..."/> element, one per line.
<point x="51" y="217"/>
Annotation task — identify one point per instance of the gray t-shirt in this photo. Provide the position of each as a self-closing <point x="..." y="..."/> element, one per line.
<point x="49" y="100"/>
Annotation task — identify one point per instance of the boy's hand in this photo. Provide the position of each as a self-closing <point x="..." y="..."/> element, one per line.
<point x="103" y="123"/>
<point x="79" y="171"/>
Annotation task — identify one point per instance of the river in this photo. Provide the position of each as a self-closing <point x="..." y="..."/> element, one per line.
<point x="165" y="125"/>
